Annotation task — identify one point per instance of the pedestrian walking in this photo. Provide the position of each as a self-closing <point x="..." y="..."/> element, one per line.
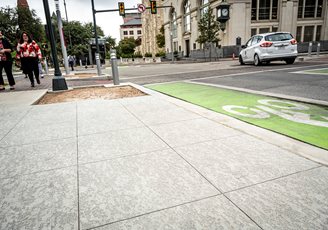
<point x="29" y="52"/>
<point x="71" y="61"/>
<point x="6" y="62"/>
<point x="40" y="69"/>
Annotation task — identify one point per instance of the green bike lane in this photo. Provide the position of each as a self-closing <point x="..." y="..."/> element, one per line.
<point x="301" y="121"/>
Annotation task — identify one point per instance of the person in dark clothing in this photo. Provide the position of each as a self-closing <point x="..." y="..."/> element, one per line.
<point x="6" y="62"/>
<point x="29" y="53"/>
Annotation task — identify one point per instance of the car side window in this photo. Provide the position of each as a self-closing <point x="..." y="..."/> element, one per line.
<point x="248" y="43"/>
<point x="254" y="41"/>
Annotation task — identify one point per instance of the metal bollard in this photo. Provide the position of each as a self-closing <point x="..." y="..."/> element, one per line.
<point x="113" y="62"/>
<point x="318" y="49"/>
<point x="80" y="63"/>
<point x="310" y="49"/>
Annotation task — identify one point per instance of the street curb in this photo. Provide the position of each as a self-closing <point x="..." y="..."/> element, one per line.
<point x="300" y="148"/>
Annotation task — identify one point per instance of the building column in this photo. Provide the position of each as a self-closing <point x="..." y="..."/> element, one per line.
<point x="239" y="24"/>
<point x="324" y="35"/>
<point x="288" y="16"/>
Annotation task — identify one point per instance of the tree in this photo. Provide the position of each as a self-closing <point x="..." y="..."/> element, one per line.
<point x="110" y="42"/>
<point x="126" y="47"/>
<point x="160" y="38"/>
<point x="30" y="23"/>
<point x="208" y="29"/>
<point x="8" y="23"/>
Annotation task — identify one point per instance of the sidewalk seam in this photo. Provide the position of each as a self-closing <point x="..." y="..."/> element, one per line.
<point x="77" y="169"/>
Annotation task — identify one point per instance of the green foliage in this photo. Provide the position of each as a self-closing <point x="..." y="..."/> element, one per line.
<point x="160" y="38"/>
<point x="208" y="28"/>
<point x="8" y="23"/>
<point x="110" y="42"/>
<point x="148" y="54"/>
<point x="126" y="47"/>
<point x="160" y="54"/>
<point x="137" y="54"/>
<point x="29" y="22"/>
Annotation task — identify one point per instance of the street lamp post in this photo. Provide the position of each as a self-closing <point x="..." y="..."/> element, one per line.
<point x="69" y="31"/>
<point x="58" y="82"/>
<point x="96" y="37"/>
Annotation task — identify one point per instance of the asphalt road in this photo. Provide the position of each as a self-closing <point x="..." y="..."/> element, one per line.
<point x="274" y="78"/>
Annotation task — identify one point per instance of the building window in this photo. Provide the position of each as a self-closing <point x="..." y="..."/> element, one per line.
<point x="125" y="32"/>
<point x="253" y="31"/>
<point x="187" y="17"/>
<point x="318" y="33"/>
<point x="299" y="34"/>
<point x="174" y="23"/>
<point x="274" y="29"/>
<point x="308" y="33"/>
<point x="264" y="30"/>
<point x="310" y="8"/>
<point x="204" y="6"/>
<point x="131" y="32"/>
<point x="139" y="31"/>
<point x="264" y="10"/>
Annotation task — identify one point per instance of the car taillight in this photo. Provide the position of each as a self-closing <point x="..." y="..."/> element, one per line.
<point x="293" y="42"/>
<point x="266" y="44"/>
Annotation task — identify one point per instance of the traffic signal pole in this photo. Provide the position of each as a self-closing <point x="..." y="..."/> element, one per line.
<point x="96" y="37"/>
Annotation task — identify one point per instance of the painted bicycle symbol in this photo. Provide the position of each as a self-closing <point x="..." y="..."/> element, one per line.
<point x="286" y="110"/>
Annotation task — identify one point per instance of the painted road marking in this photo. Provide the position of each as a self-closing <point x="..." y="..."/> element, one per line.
<point x="305" y="122"/>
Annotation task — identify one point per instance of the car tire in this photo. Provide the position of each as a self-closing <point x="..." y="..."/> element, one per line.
<point x="241" y="61"/>
<point x="290" y="61"/>
<point x="257" y="60"/>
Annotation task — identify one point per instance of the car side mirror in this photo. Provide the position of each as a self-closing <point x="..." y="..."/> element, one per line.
<point x="243" y="46"/>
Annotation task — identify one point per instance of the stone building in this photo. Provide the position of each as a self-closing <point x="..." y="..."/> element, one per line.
<point x="151" y="25"/>
<point x="132" y="26"/>
<point x="307" y="20"/>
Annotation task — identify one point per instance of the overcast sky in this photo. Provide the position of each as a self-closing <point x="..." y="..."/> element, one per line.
<point x="80" y="10"/>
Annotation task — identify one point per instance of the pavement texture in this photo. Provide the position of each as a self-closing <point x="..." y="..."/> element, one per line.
<point x="151" y="162"/>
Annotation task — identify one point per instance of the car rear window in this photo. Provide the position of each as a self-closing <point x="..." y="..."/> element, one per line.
<point x="278" y="37"/>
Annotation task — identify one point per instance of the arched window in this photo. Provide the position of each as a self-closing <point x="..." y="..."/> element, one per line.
<point x="204" y="5"/>
<point x="187" y="17"/>
<point x="174" y="23"/>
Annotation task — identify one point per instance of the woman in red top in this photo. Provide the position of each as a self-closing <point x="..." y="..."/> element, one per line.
<point x="29" y="53"/>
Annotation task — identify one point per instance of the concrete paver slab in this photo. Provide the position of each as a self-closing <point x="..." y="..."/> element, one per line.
<point x="46" y="200"/>
<point x="298" y="201"/>
<point x="163" y="116"/>
<point x="26" y="159"/>
<point x="212" y="213"/>
<point x="118" y="143"/>
<point x="122" y="188"/>
<point x="192" y="131"/>
<point x="105" y="119"/>
<point x="32" y="133"/>
<point x="231" y="167"/>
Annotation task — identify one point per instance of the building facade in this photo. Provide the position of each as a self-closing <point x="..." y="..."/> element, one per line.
<point x="131" y="27"/>
<point x="307" y="20"/>
<point x="151" y="25"/>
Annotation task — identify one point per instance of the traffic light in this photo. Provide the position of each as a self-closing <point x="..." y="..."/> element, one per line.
<point x="153" y="8"/>
<point x="121" y="9"/>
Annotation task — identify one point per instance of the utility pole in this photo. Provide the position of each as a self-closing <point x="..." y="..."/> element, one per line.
<point x="69" y="31"/>
<point x="96" y="37"/>
<point x="61" y="35"/>
<point x="58" y="82"/>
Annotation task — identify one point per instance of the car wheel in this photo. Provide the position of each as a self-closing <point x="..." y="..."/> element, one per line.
<point x="241" y="60"/>
<point x="290" y="61"/>
<point x="257" y="61"/>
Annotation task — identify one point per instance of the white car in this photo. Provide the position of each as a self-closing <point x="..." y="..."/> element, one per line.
<point x="269" y="47"/>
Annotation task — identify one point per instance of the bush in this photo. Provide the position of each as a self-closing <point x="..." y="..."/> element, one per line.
<point x="148" y="54"/>
<point x="160" y="54"/>
<point x="137" y="54"/>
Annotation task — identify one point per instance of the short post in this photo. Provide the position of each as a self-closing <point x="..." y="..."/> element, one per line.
<point x="318" y="49"/>
<point x="113" y="62"/>
<point x="80" y="63"/>
<point x="310" y="49"/>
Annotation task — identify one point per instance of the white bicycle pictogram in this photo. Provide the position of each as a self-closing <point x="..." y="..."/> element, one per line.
<point x="289" y="111"/>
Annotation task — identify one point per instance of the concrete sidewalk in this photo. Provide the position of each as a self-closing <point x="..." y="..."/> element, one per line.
<point x="151" y="162"/>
